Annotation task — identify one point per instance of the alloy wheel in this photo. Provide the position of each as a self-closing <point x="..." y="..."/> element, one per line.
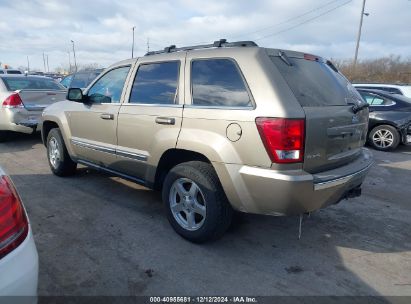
<point x="187" y="204"/>
<point x="54" y="152"/>
<point x="383" y="138"/>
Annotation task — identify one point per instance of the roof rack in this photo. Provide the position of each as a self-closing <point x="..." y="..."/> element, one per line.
<point x="215" y="44"/>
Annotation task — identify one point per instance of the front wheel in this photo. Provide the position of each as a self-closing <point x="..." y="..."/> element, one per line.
<point x="196" y="205"/>
<point x="384" y="138"/>
<point x="4" y="136"/>
<point x="59" y="160"/>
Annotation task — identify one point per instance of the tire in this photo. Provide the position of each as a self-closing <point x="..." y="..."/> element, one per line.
<point x="4" y="136"/>
<point x="206" y="206"/>
<point x="384" y="138"/>
<point x="59" y="160"/>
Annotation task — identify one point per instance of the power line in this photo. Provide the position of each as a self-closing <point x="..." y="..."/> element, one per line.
<point x="304" y="22"/>
<point x="287" y="20"/>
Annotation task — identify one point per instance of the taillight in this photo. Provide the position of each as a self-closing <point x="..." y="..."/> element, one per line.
<point x="13" y="101"/>
<point x="283" y="138"/>
<point x="13" y="221"/>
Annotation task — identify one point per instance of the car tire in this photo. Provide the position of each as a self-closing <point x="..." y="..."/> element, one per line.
<point x="384" y="138"/>
<point x="4" y="136"/>
<point x="196" y="205"/>
<point x="59" y="160"/>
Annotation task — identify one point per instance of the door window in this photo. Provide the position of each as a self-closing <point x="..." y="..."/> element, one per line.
<point x="108" y="88"/>
<point x="218" y="83"/>
<point x="156" y="83"/>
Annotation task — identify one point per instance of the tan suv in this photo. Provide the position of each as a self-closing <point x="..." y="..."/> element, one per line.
<point x="219" y="127"/>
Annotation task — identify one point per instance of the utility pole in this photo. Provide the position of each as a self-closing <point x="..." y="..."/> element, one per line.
<point x="28" y="65"/>
<point x="47" y="60"/>
<point x="74" y="53"/>
<point x="132" y="46"/>
<point x="359" y="33"/>
<point x="148" y="44"/>
<point x="44" y="63"/>
<point x="68" y="52"/>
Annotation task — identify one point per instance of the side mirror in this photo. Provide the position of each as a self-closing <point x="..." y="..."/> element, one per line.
<point x="75" y="94"/>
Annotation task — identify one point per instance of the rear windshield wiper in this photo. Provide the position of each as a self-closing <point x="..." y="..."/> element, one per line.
<point x="332" y="66"/>
<point x="284" y="58"/>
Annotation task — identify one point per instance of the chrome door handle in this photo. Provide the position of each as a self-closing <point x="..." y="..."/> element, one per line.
<point x="107" y="116"/>
<point x="165" y="121"/>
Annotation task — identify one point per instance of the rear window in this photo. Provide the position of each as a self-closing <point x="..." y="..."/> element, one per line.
<point x="14" y="72"/>
<point x="314" y="83"/>
<point x="28" y="83"/>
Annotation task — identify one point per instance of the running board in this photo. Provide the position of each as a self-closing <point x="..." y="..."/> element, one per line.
<point x="116" y="173"/>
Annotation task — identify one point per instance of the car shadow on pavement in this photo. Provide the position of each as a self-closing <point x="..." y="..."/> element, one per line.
<point x="18" y="142"/>
<point x="101" y="235"/>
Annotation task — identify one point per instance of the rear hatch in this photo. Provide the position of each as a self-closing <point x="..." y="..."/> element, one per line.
<point x="334" y="134"/>
<point x="37" y="100"/>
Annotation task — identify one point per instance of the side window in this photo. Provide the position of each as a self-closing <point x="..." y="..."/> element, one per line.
<point x="156" y="83"/>
<point x="375" y="100"/>
<point x="218" y="83"/>
<point x="368" y="98"/>
<point x="108" y="88"/>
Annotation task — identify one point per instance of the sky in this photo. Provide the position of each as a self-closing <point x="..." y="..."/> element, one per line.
<point x="101" y="29"/>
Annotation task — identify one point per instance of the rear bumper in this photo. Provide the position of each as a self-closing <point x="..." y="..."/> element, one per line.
<point x="19" y="120"/>
<point x="19" y="271"/>
<point x="265" y="191"/>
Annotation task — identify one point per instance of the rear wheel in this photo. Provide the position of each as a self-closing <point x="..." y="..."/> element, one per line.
<point x="196" y="205"/>
<point x="384" y="138"/>
<point x="59" y="160"/>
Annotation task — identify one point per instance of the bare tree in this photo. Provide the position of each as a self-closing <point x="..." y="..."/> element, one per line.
<point x="391" y="69"/>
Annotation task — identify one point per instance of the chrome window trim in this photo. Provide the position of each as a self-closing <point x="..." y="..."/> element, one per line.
<point x="153" y="105"/>
<point x="390" y="105"/>
<point x="248" y="108"/>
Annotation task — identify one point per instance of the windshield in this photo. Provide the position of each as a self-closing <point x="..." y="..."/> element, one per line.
<point x="31" y="83"/>
<point x="315" y="83"/>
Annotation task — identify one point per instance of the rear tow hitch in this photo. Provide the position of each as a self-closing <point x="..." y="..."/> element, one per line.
<point x="355" y="192"/>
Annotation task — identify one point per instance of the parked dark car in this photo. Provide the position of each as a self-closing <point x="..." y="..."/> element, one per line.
<point x="80" y="79"/>
<point x="390" y="119"/>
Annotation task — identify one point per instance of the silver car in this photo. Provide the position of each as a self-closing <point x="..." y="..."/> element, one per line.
<point x="22" y="100"/>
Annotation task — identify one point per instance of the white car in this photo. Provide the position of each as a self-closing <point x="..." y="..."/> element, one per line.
<point x="401" y="89"/>
<point x="23" y="99"/>
<point x="10" y="71"/>
<point x="18" y="254"/>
